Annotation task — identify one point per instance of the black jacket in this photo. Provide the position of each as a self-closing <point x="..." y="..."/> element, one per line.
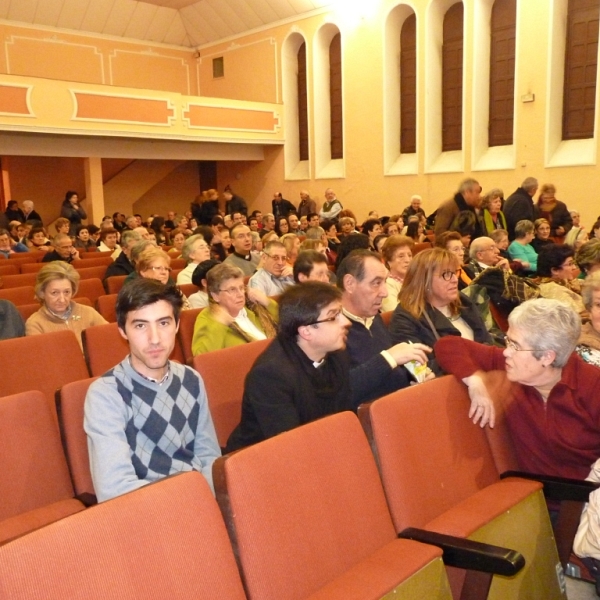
<point x="121" y="266"/>
<point x="518" y="206"/>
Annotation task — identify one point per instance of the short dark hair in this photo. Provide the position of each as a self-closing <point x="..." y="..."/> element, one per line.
<point x="355" y="241"/>
<point x="80" y="228"/>
<point x="354" y="264"/>
<point x="369" y="225"/>
<point x="202" y="270"/>
<point x="309" y="216"/>
<point x="141" y="292"/>
<point x="305" y="261"/>
<point x="302" y="304"/>
<point x="552" y="256"/>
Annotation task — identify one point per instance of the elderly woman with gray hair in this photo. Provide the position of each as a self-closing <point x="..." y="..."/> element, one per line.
<point x="521" y="249"/>
<point x="491" y="210"/>
<point x="588" y="346"/>
<point x="553" y="407"/>
<point x="194" y="251"/>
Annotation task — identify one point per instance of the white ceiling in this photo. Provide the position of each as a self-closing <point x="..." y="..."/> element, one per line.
<point x="188" y="23"/>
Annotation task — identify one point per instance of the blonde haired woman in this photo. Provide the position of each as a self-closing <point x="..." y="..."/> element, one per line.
<point x="56" y="284"/>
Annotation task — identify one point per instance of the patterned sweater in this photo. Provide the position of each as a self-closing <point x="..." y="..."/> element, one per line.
<point x="140" y="431"/>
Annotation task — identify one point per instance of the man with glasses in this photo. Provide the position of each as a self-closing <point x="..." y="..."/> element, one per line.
<point x="242" y="256"/>
<point x="304" y="374"/>
<point x="275" y="275"/>
<point x="483" y="253"/>
<point x="63" y="249"/>
<point x="362" y="278"/>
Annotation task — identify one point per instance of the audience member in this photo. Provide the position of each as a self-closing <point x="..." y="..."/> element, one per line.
<point x="500" y="237"/>
<point x="56" y="285"/>
<point x="484" y="254"/>
<point x="243" y="257"/>
<point x="275" y="275"/>
<point x="311" y="265"/>
<point x="372" y="228"/>
<point x="235" y="315"/>
<point x="541" y="229"/>
<point x="491" y="209"/>
<point x="414" y="208"/>
<point x="83" y="241"/>
<point x="195" y="250"/>
<point x="294" y="223"/>
<point x="268" y="224"/>
<point x="123" y="264"/>
<point x="452" y="242"/>
<point x="588" y="344"/>
<point x="108" y="242"/>
<point x="362" y="279"/>
<point x="178" y="237"/>
<point x="291" y="243"/>
<point x="281" y="206"/>
<point x="62" y="225"/>
<point x="11" y="322"/>
<point x="576" y="237"/>
<point x="588" y="257"/>
<point x="71" y="209"/>
<point x="13" y="212"/>
<point x="133" y="441"/>
<point x="397" y="254"/>
<point x="199" y="299"/>
<point x="63" y="249"/>
<point x="234" y="203"/>
<point x="8" y="246"/>
<point x="282" y="226"/>
<point x="520" y="248"/>
<point x="347" y="226"/>
<point x="519" y="205"/>
<point x="307" y="204"/>
<point x="430" y="305"/>
<point x="553" y="210"/>
<point x="30" y="212"/>
<point x="331" y="207"/>
<point x="468" y="198"/>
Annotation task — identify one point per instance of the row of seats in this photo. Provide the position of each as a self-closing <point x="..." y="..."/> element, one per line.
<point x="306" y="511"/>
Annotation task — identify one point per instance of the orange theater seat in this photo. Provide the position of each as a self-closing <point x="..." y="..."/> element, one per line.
<point x="91" y="289"/>
<point x="107" y="307"/>
<point x="32" y="267"/>
<point x="19" y="295"/>
<point x="187" y="320"/>
<point x="12" y="281"/>
<point x="8" y="269"/>
<point x="43" y="362"/>
<point x="97" y="272"/>
<point x="70" y="400"/>
<point x="104" y="347"/>
<point x="115" y="283"/>
<point x="92" y="262"/>
<point x="308" y="520"/>
<point x="224" y="372"/>
<point x="439" y="474"/>
<point x="164" y="541"/>
<point x="34" y="479"/>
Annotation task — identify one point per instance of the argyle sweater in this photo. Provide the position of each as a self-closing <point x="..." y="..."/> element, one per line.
<point x="139" y="431"/>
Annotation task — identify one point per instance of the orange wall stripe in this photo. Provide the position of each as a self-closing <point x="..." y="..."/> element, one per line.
<point x="13" y="100"/>
<point x="97" y="107"/>
<point x="213" y="117"/>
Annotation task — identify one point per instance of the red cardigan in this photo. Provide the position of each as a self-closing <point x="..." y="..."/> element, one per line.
<point x="558" y="437"/>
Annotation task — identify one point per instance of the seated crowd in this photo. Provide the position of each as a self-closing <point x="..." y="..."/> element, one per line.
<point x="353" y="312"/>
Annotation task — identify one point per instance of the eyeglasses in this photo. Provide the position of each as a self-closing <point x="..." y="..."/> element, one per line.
<point x="335" y="317"/>
<point x="447" y="275"/>
<point x="510" y="345"/>
<point x="240" y="291"/>
<point x="276" y="258"/>
<point x="161" y="269"/>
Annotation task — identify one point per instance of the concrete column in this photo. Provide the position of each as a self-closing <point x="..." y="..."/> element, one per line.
<point x="94" y="190"/>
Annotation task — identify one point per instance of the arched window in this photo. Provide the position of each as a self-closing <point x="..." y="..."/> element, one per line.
<point x="302" y="104"/>
<point x="581" y="58"/>
<point x="408" y="85"/>
<point x="452" y="78"/>
<point x="335" y="97"/>
<point x="502" y="72"/>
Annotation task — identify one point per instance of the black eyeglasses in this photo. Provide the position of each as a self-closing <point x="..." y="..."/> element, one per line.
<point x="335" y="317"/>
<point x="447" y="275"/>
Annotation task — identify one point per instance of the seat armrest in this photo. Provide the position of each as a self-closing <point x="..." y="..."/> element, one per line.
<point x="467" y="554"/>
<point x="558" y="488"/>
<point x="87" y="499"/>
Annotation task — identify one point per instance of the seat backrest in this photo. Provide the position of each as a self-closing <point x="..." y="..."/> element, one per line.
<point x="115" y="283"/>
<point x="26" y="257"/>
<point x="85" y="263"/>
<point x="70" y="400"/>
<point x="386" y="317"/>
<point x="33" y="469"/>
<point x="303" y="507"/>
<point x="188" y="289"/>
<point x="91" y="289"/>
<point x="8" y="269"/>
<point x="43" y="362"/>
<point x="104" y="348"/>
<point x="224" y="372"/>
<point x="12" y="281"/>
<point x="178" y="263"/>
<point x="94" y="254"/>
<point x="19" y="295"/>
<point x="187" y="320"/>
<point x="92" y="272"/>
<point x="107" y="307"/>
<point x="430" y="455"/>
<point x="165" y="540"/>
<point x="32" y="267"/>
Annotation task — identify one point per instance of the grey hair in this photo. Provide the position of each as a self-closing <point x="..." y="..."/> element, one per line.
<point x="188" y="246"/>
<point x="468" y="184"/>
<point x="493" y="193"/>
<point x="315" y="233"/>
<point x="129" y="235"/>
<point x="550" y="326"/>
<point x="590" y="285"/>
<point x="522" y="228"/>
<point x="477" y="246"/>
<point x="529" y="184"/>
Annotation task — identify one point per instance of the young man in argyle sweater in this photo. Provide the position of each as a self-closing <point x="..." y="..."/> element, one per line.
<point x="147" y="417"/>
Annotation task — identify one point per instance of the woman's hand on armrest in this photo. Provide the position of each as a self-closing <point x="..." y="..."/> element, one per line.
<point x="482" y="409"/>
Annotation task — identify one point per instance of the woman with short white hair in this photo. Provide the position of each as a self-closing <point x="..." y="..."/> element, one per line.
<point x="194" y="251"/>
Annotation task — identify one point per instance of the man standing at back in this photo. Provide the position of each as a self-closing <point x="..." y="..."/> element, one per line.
<point x="467" y="199"/>
<point x="519" y="205"/>
<point x="281" y="206"/>
<point x="148" y="417"/>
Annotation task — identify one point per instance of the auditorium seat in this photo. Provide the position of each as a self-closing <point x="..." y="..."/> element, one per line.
<point x="84" y="263"/>
<point x="26" y="310"/>
<point x="106" y="306"/>
<point x="308" y="519"/>
<point x="26" y="257"/>
<point x="70" y="400"/>
<point x="174" y="274"/>
<point x="8" y="269"/>
<point x="43" y="362"/>
<point x="386" y="317"/>
<point x="32" y="267"/>
<point x="187" y="320"/>
<point x="12" y="281"/>
<point x="178" y="263"/>
<point x="94" y="254"/>
<point x="164" y="541"/>
<point x="91" y="289"/>
<point x="104" y="347"/>
<point x="19" y="295"/>
<point x="223" y="373"/>
<point x="115" y="283"/>
<point x="188" y="289"/>
<point x="439" y="474"/>
<point x="92" y="272"/>
<point x="34" y="478"/>
<point x="420" y="247"/>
